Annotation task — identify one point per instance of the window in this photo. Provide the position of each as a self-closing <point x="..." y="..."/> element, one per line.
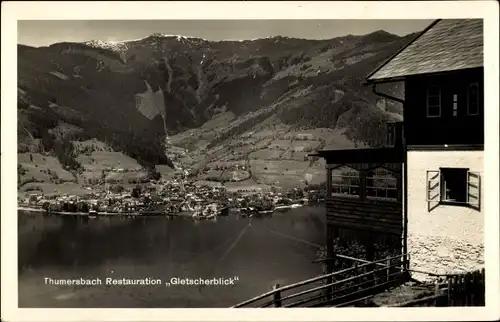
<point x="433" y="101"/>
<point x="381" y="183"/>
<point x="345" y="181"/>
<point x="455" y="105"/>
<point x="453" y="186"/>
<point x="473" y="99"/>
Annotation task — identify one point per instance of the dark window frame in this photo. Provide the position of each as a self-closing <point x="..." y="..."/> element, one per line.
<point x="428" y="96"/>
<point x="477" y="100"/>
<point x="345" y="173"/>
<point x="436" y="185"/>
<point x="382" y="175"/>
<point x="444" y="172"/>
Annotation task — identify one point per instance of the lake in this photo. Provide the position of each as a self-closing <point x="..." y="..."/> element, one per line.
<point x="259" y="252"/>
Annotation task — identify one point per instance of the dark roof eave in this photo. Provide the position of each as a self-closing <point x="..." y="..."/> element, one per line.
<point x="372" y="81"/>
<point x="404" y="77"/>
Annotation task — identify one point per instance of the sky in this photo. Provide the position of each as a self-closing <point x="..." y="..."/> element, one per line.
<point x="45" y="32"/>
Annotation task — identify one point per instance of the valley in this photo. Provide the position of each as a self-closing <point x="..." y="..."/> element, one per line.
<point x="238" y="113"/>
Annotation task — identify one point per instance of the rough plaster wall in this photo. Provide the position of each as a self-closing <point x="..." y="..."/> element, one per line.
<point x="449" y="239"/>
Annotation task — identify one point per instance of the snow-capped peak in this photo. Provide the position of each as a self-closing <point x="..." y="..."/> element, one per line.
<point x="106" y="44"/>
<point x="121" y="45"/>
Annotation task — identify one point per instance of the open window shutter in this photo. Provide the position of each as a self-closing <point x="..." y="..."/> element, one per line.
<point x="474" y="189"/>
<point x="433" y="189"/>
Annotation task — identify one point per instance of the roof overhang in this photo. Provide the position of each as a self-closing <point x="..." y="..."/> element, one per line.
<point x="369" y="82"/>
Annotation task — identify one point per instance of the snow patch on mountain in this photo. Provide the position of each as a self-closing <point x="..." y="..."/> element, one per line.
<point x="109" y="45"/>
<point x="123" y="45"/>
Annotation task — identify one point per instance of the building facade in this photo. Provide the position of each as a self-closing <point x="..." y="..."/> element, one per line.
<point x="442" y="72"/>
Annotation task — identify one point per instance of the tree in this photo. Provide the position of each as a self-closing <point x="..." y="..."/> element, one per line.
<point x="136" y="192"/>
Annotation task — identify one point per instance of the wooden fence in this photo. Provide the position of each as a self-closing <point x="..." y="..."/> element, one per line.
<point x="457" y="290"/>
<point x="342" y="288"/>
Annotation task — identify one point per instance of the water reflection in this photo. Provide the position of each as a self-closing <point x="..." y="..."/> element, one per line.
<point x="261" y="251"/>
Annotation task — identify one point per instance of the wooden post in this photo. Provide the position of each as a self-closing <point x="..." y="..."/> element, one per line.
<point x="328" y="181"/>
<point x="362" y="184"/>
<point x="370" y="254"/>
<point x="436" y="292"/>
<point x="404" y="192"/>
<point x="277" y="296"/>
<point x="483" y="288"/>
<point x="330" y="255"/>
<point x="388" y="271"/>
<point x="449" y="291"/>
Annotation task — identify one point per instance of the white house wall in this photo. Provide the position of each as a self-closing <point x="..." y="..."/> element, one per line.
<point x="449" y="239"/>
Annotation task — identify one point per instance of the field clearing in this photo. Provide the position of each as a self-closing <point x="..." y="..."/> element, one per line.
<point x="315" y="175"/>
<point x="48" y="189"/>
<point x="237" y="175"/>
<point x="283" y="181"/>
<point x="280" y="144"/>
<point x="305" y="145"/>
<point x="266" y="154"/>
<point x="226" y="164"/>
<point x="190" y="159"/>
<point x="203" y="143"/>
<point x="88" y="176"/>
<point x="126" y="177"/>
<point x="102" y="160"/>
<point x="259" y="134"/>
<point x="334" y="139"/>
<point x="240" y="141"/>
<point x="200" y="183"/>
<point x="235" y="158"/>
<point x="286" y="167"/>
<point x="243" y="149"/>
<point x="212" y="175"/>
<point x="38" y="168"/>
<point x="295" y="156"/>
<point x="246" y="185"/>
<point x="220" y="120"/>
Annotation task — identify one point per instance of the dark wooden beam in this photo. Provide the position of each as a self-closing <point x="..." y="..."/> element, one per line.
<point x="374" y="155"/>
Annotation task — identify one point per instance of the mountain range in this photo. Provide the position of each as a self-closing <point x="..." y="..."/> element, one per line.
<point x="261" y="104"/>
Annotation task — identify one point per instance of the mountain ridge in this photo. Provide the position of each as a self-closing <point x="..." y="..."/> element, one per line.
<point x="291" y="83"/>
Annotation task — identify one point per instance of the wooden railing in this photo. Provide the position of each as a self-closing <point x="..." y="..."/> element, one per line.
<point x="457" y="290"/>
<point x="349" y="286"/>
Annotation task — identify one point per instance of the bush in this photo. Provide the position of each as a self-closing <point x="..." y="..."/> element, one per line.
<point x="136" y="192"/>
<point x="117" y="189"/>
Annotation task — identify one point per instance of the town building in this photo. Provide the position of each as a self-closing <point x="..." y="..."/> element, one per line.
<point x="436" y="202"/>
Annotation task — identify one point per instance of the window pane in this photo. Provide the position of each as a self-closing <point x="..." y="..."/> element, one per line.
<point x="392" y="194"/>
<point x="473" y="89"/>
<point x="473" y="108"/>
<point x="473" y="104"/>
<point x="433" y="100"/>
<point x="433" y="110"/>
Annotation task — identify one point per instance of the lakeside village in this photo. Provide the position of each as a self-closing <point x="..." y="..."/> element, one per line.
<point x="176" y="197"/>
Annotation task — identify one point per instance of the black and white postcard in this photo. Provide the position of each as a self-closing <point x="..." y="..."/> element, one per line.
<point x="238" y="155"/>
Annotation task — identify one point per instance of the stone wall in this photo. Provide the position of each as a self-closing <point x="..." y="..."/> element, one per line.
<point x="449" y="239"/>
